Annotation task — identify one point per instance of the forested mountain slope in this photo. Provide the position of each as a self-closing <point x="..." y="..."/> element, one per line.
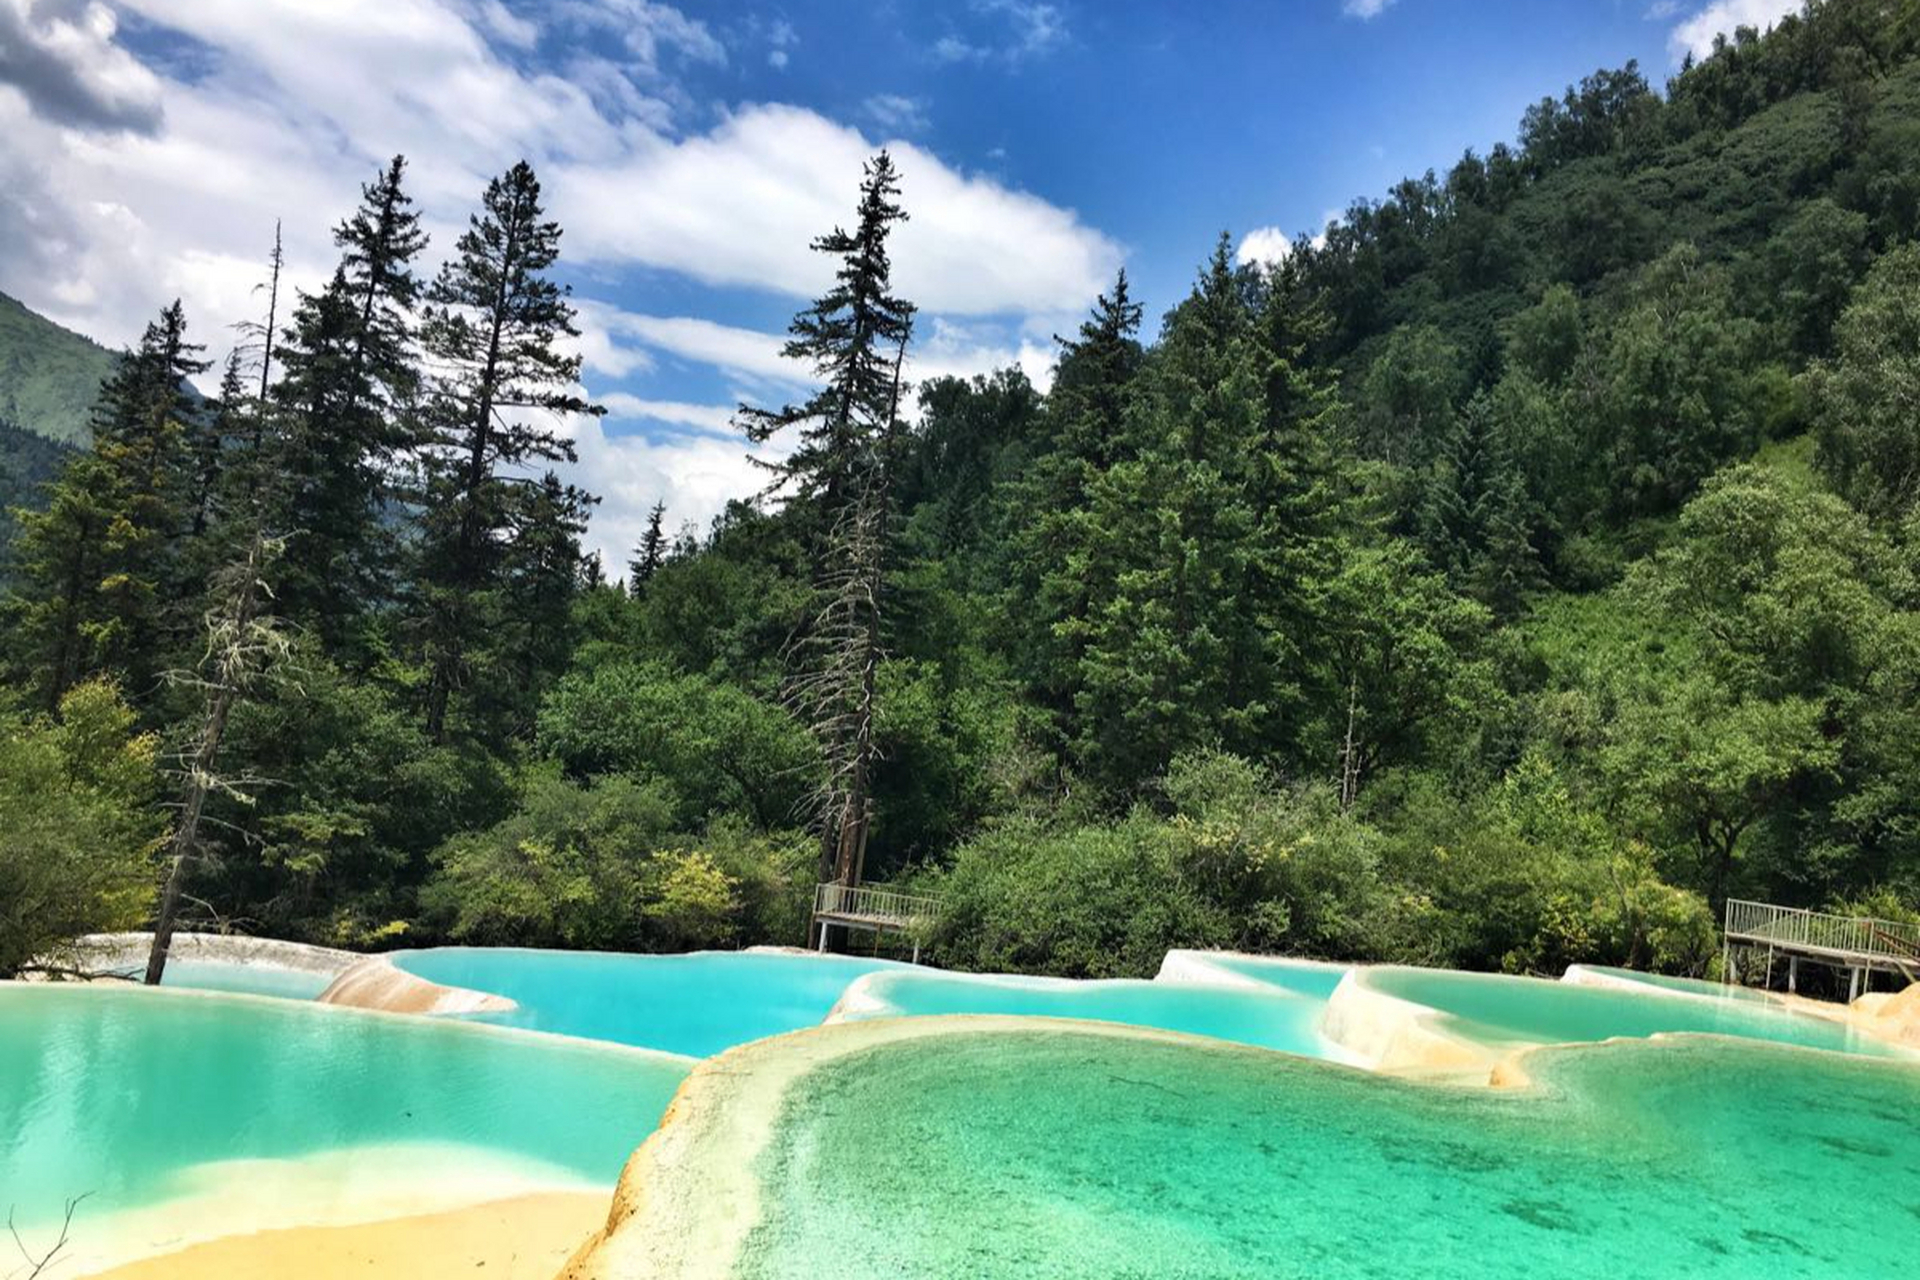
<point x="1504" y="582"/>
<point x="49" y="376"/>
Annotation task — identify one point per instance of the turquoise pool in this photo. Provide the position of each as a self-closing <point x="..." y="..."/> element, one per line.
<point x="129" y="1096"/>
<point x="698" y="1004"/>
<point x="1666" y="982"/>
<point x="1497" y="1009"/>
<point x="1270" y="1020"/>
<point x="1047" y="1156"/>
<point x="1312" y="978"/>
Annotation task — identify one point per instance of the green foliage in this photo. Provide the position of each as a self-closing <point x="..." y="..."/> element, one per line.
<point x="1869" y="430"/>
<point x="82" y="829"/>
<point x="48" y="375"/>
<point x="720" y="749"/>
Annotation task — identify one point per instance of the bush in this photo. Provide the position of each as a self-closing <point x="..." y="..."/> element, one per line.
<point x="82" y="833"/>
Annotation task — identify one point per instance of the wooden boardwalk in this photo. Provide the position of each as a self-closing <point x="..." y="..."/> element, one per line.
<point x="1861" y="945"/>
<point x="871" y="909"/>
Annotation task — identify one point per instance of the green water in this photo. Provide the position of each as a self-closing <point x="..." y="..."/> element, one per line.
<point x="1271" y="1020"/>
<point x="121" y="1093"/>
<point x="1496" y="1009"/>
<point x="1687" y="986"/>
<point x="1047" y="1155"/>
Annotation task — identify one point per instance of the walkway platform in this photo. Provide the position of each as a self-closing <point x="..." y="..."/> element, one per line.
<point x="871" y="909"/>
<point x="1861" y="945"/>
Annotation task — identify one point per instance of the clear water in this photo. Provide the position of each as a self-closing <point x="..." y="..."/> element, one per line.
<point x="1048" y="1155"/>
<point x="1497" y="1009"/>
<point x="245" y="979"/>
<point x="698" y="1004"/>
<point x="121" y="1093"/>
<point x="1269" y="1020"/>
<point x="1687" y="986"/>
<point x="1300" y="977"/>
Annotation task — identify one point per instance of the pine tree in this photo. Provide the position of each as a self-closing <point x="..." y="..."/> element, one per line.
<point x="839" y="478"/>
<point x="351" y="380"/>
<point x="652" y="551"/>
<point x="492" y="334"/>
<point x="849" y="339"/>
<point x="98" y="571"/>
<point x="1047" y="599"/>
<point x="1474" y="518"/>
<point x="542" y="574"/>
<point x="1168" y="640"/>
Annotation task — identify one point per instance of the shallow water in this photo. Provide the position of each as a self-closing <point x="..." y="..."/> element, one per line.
<point x="1309" y="978"/>
<point x="246" y="979"/>
<point x="125" y="1095"/>
<point x="1043" y="1155"/>
<point x="1269" y="1019"/>
<point x="698" y="1004"/>
<point x="1496" y="1009"/>
<point x="1686" y="986"/>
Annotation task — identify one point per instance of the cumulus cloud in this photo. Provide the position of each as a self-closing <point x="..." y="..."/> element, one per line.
<point x="61" y="57"/>
<point x="740" y="204"/>
<point x="1267" y="246"/>
<point x="1723" y="18"/>
<point x="110" y="207"/>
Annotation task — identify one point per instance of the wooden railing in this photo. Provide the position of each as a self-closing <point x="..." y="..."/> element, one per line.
<point x="1797" y="928"/>
<point x="869" y="902"/>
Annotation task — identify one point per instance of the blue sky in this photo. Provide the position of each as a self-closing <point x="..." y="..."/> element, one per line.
<point x="691" y="150"/>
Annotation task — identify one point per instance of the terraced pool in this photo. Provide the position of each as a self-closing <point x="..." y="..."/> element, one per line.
<point x="240" y="1107"/>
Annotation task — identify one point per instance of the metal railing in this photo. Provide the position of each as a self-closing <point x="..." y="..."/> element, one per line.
<point x="1798" y="928"/>
<point x="869" y="902"/>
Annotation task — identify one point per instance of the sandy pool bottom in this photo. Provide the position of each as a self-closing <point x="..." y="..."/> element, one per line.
<point x="523" y="1238"/>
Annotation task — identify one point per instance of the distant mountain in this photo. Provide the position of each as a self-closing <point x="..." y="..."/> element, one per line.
<point x="49" y="376"/>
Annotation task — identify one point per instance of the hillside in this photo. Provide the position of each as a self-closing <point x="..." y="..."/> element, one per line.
<point x="48" y="375"/>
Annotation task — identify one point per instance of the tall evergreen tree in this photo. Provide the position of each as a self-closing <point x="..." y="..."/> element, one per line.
<point x="1047" y="598"/>
<point x="98" y="571"/>
<point x="351" y="381"/>
<point x="839" y="475"/>
<point x="652" y="551"/>
<point x="849" y="339"/>
<point x="492" y="334"/>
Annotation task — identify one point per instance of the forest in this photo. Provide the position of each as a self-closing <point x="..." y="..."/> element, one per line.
<point x="1504" y="579"/>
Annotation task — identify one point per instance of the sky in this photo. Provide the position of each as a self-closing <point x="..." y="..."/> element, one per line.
<point x="692" y="152"/>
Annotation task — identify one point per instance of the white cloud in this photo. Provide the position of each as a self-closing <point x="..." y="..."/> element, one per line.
<point x="714" y="418"/>
<point x="111" y="206"/>
<point x="1724" y="17"/>
<point x="1023" y="29"/>
<point x="1268" y="246"/>
<point x="695" y="474"/>
<point x="896" y="113"/>
<point x="739" y="206"/>
<point x="60" y="56"/>
<point x="1364" y="9"/>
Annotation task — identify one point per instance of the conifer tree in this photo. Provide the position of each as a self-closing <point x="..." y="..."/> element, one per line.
<point x="351" y="380"/>
<point x="849" y="339"/>
<point x="1168" y="559"/>
<point x="492" y="333"/>
<point x="854" y="338"/>
<point x="98" y="570"/>
<point x="652" y="551"/>
<point x="1087" y="408"/>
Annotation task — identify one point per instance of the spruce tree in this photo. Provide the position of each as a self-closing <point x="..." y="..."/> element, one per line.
<point x="347" y="396"/>
<point x="849" y="339"/>
<point x="652" y="551"/>
<point x="492" y="333"/>
<point x="98" y="573"/>
<point x="838" y="478"/>
<point x="1047" y="599"/>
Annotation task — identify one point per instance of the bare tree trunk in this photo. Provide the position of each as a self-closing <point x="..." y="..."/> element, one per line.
<point x="238" y="647"/>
